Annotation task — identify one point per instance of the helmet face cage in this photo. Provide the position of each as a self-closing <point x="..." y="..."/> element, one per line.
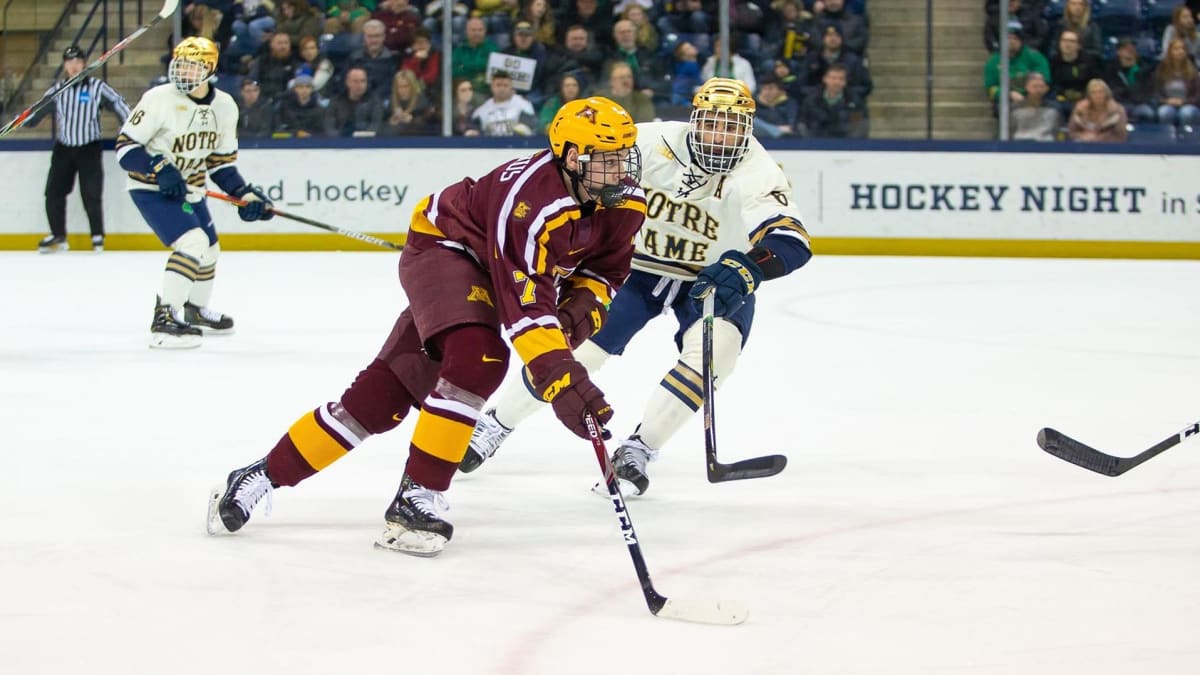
<point x="611" y="175"/>
<point x="720" y="138"/>
<point x="193" y="62"/>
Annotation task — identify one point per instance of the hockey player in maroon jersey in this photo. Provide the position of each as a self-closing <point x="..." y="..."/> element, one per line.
<point x="533" y="252"/>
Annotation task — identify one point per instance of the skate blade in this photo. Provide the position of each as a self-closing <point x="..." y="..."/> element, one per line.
<point x="215" y="331"/>
<point x="164" y="341"/>
<point x="627" y="489"/>
<point x="214" y="525"/>
<point x="412" y="542"/>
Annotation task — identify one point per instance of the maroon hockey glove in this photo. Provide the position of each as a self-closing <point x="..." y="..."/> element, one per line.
<point x="567" y="387"/>
<point x="581" y="315"/>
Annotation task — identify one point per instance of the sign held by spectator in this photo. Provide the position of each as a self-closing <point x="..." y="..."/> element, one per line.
<point x="520" y="68"/>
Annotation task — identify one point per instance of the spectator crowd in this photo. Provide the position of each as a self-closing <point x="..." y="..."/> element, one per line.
<point x="303" y="68"/>
<point x="1098" y="70"/>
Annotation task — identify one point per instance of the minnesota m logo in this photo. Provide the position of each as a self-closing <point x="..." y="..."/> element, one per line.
<point x="480" y="294"/>
<point x="556" y="387"/>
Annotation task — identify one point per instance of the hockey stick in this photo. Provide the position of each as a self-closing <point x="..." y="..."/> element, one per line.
<point x="712" y="612"/>
<point x="168" y="9"/>
<point x="755" y="467"/>
<point x="308" y="221"/>
<point x="1065" y="447"/>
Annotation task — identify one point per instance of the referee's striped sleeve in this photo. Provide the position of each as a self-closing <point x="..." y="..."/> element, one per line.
<point x="119" y="106"/>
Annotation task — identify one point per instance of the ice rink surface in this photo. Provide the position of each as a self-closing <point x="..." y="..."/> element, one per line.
<point x="918" y="529"/>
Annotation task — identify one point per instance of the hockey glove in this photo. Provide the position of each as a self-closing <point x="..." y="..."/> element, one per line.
<point x="731" y="278"/>
<point x="581" y="315"/>
<point x="568" y="389"/>
<point x="257" y="206"/>
<point x="170" y="182"/>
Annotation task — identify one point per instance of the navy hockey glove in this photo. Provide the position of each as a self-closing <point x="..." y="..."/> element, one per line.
<point x="257" y="206"/>
<point x="731" y="278"/>
<point x="581" y="315"/>
<point x="170" y="182"/>
<point x="568" y="389"/>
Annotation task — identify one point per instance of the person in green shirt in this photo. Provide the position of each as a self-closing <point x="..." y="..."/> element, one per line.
<point x="471" y="57"/>
<point x="1022" y="60"/>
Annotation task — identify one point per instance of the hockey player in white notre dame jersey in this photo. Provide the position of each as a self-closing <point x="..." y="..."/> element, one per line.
<point x="180" y="134"/>
<point x="719" y="219"/>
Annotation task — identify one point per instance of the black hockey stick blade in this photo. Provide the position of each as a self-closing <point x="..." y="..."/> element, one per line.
<point x="168" y="9"/>
<point x="755" y="467"/>
<point x="1080" y="454"/>
<point x="712" y="612"/>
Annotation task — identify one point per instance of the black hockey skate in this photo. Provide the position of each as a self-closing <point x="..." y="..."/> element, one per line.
<point x="414" y="522"/>
<point x="486" y="438"/>
<point x="51" y="244"/>
<point x="170" y="331"/>
<point x="207" y="320"/>
<point x="230" y="505"/>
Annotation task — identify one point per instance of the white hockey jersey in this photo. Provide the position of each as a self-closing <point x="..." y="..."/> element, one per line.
<point x="198" y="138"/>
<point x="692" y="217"/>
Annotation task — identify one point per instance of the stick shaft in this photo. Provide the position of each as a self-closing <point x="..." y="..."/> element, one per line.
<point x="309" y="221"/>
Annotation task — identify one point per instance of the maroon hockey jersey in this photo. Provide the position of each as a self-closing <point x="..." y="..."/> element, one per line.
<point x="520" y="223"/>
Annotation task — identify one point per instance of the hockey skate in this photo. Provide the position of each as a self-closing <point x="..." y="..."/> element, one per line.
<point x="53" y="244"/>
<point x="629" y="463"/>
<point x="230" y="505"/>
<point x="208" y="320"/>
<point x="414" y="522"/>
<point x="170" y="331"/>
<point x="486" y="438"/>
<point x="98" y="243"/>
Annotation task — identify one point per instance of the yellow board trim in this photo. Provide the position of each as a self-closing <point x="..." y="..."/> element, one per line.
<point x="441" y="437"/>
<point x="317" y="447"/>
<point x="229" y="242"/>
<point x="997" y="248"/>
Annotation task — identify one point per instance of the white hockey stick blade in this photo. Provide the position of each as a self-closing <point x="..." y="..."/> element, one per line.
<point x="712" y="612"/>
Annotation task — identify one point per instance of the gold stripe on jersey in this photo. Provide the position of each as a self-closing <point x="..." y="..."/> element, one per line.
<point x="147" y="178"/>
<point x="564" y="217"/>
<point x="598" y="288"/>
<point x="315" y="444"/>
<point x="183" y="265"/>
<point x="537" y="341"/>
<point x="123" y="140"/>
<point x="198" y="180"/>
<point x="420" y="223"/>
<point x="441" y="437"/>
<point x="780" y="223"/>
<point x="216" y="160"/>
<point x="685" y="384"/>
<point x="652" y="264"/>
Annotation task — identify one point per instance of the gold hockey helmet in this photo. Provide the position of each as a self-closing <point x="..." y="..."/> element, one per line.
<point x="606" y="138"/>
<point x="722" y="124"/>
<point x="193" y="62"/>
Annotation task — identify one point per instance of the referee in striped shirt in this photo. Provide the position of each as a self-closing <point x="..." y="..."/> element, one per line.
<point x="77" y="151"/>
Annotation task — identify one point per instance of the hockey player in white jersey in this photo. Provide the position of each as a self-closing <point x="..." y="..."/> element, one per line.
<point x="719" y="219"/>
<point x="180" y="134"/>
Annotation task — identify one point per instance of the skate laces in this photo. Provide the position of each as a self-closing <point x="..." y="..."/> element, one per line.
<point x="251" y="489"/>
<point x="488" y="435"/>
<point x="429" y="502"/>
<point x="634" y="453"/>
<point x="209" y="314"/>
